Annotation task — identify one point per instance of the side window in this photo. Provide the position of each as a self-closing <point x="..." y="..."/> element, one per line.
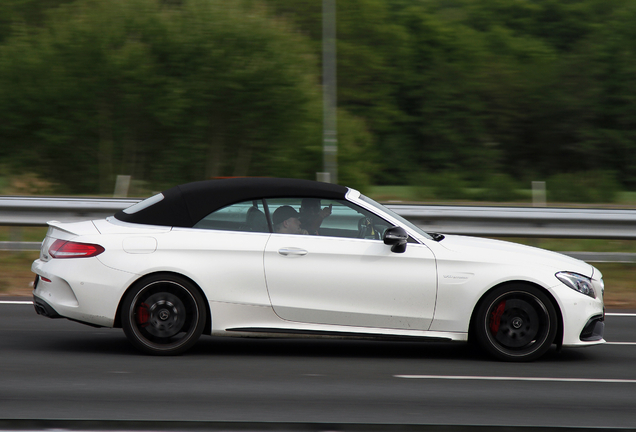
<point x="332" y="218"/>
<point x="244" y="216"/>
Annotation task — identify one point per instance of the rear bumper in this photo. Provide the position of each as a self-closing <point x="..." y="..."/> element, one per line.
<point x="44" y="309"/>
<point x="88" y="292"/>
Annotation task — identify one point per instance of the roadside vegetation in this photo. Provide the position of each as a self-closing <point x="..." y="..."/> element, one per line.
<point x="472" y="99"/>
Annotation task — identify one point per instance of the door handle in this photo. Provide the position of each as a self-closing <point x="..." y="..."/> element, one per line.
<point x="292" y="252"/>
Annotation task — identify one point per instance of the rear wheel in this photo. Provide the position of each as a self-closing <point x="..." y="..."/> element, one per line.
<point x="163" y="315"/>
<point x="516" y="323"/>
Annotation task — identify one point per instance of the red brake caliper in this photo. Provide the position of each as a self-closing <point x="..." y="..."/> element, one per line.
<point x="142" y="314"/>
<point x="495" y="317"/>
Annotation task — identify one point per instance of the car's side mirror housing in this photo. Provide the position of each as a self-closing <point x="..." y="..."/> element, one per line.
<point x="397" y="238"/>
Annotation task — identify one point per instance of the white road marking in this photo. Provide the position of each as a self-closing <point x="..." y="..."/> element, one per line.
<point x="16" y="302"/>
<point x="620" y="343"/>
<point x="496" y="378"/>
<point x="621" y="314"/>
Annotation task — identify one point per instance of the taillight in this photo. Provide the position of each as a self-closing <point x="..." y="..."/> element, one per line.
<point x="69" y="249"/>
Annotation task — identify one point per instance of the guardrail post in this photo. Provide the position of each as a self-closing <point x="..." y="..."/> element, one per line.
<point x="15" y="235"/>
<point x="539" y="194"/>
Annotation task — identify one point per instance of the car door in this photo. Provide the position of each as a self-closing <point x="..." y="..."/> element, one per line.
<point x="346" y="275"/>
<point x="224" y="250"/>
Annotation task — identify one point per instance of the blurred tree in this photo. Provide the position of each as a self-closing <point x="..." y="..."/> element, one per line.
<point x="482" y="86"/>
<point x="164" y="93"/>
<point x="19" y="12"/>
<point x="370" y="51"/>
<point x="178" y="90"/>
<point x="609" y="139"/>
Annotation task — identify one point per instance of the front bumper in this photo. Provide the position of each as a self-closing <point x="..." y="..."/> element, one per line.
<point x="593" y="330"/>
<point x="583" y="318"/>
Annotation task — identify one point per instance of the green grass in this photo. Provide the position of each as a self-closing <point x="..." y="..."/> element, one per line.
<point x="627" y="198"/>
<point x="15" y="272"/>
<point x="15" y="267"/>
<point x="620" y="290"/>
<point x="4" y="183"/>
<point x="25" y="234"/>
<point x="578" y="245"/>
<point x="425" y="194"/>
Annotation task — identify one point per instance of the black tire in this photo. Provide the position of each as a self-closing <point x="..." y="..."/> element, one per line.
<point x="163" y="315"/>
<point x="516" y="323"/>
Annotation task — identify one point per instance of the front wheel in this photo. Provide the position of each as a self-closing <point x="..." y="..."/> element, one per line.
<point x="163" y="315"/>
<point x="516" y="323"/>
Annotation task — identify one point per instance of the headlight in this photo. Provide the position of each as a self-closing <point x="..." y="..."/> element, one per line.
<point x="577" y="282"/>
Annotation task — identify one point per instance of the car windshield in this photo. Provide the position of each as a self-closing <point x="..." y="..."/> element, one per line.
<point x="379" y="206"/>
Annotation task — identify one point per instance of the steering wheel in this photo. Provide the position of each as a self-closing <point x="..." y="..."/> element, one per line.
<point x="366" y="230"/>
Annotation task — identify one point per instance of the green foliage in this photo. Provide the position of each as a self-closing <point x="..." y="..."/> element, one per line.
<point x="483" y="92"/>
<point x="499" y="187"/>
<point x="355" y="156"/>
<point x="166" y="94"/>
<point x="16" y="13"/>
<point x="583" y="187"/>
<point x="487" y="86"/>
<point x="424" y="186"/>
<point x="448" y="185"/>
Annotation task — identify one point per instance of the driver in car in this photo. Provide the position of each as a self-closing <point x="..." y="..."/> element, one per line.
<point x="311" y="216"/>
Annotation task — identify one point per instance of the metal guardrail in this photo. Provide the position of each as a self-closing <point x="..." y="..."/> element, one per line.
<point x="523" y="221"/>
<point x="464" y="220"/>
<point x="36" y="211"/>
<point x="18" y="246"/>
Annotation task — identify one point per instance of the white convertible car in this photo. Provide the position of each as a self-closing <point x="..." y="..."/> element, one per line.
<point x="282" y="257"/>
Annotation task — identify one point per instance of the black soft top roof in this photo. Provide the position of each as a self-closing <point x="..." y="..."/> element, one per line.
<point x="185" y="205"/>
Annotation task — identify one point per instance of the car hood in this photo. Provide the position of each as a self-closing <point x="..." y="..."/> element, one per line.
<point x="488" y="250"/>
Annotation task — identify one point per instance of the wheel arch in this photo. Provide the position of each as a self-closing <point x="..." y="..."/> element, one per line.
<point x="558" y="338"/>
<point x="207" y="329"/>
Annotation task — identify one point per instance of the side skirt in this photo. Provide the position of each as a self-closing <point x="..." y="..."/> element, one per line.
<point x="336" y="334"/>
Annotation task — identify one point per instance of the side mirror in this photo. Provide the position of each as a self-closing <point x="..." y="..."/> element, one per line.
<point x="396" y="237"/>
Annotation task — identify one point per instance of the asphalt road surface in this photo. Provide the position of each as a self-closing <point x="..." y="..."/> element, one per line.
<point x="58" y="369"/>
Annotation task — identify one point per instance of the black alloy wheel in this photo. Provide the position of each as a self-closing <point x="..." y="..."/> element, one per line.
<point x="516" y="323"/>
<point x="163" y="315"/>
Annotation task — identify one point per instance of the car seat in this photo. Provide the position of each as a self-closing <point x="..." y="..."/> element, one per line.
<point x="256" y="220"/>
